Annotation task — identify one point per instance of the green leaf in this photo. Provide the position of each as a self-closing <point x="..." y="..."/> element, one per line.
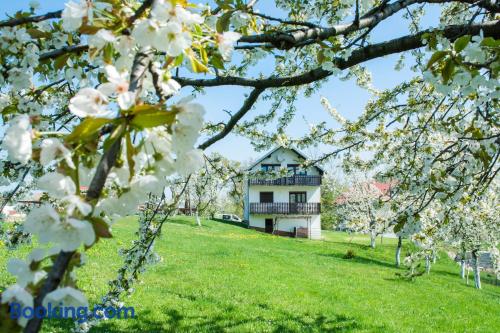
<point x="178" y="60"/>
<point x="153" y="118"/>
<point x="490" y="42"/>
<point x="89" y="29"/>
<point x="197" y="66"/>
<point x="61" y="61"/>
<point x="438" y="55"/>
<point x="35" y="33"/>
<point x="217" y="61"/>
<point x="101" y="228"/>
<point x="130" y="155"/>
<point x="448" y="69"/>
<point x="223" y="22"/>
<point x="461" y="43"/>
<point x="115" y="135"/>
<point x="87" y="129"/>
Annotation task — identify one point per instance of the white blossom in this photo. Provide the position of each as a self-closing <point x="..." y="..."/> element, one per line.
<point x="189" y="162"/>
<point x="69" y="297"/>
<point x="40" y="221"/>
<point x="73" y="14"/>
<point x="118" y="84"/>
<point x="53" y="149"/>
<point x="225" y="43"/>
<point x="76" y="202"/>
<point x="166" y="11"/>
<point x="20" y="78"/>
<point x="101" y="38"/>
<point x="89" y="102"/>
<point x="57" y="185"/>
<point x="185" y="130"/>
<point x="239" y="19"/>
<point x="70" y="234"/>
<point x="170" y="87"/>
<point x="17" y="294"/>
<point x="172" y="39"/>
<point x="21" y="269"/>
<point x="146" y="32"/>
<point x="17" y="140"/>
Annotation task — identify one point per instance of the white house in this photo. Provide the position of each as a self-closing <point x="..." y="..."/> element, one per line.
<point x="284" y="204"/>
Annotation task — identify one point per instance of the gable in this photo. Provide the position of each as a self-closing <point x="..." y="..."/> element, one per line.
<point x="284" y="156"/>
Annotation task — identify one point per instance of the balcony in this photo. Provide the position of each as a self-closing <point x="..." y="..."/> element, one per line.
<point x="285" y="208"/>
<point x="303" y="180"/>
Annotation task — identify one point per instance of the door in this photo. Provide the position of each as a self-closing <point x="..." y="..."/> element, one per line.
<point x="296" y="201"/>
<point x="269" y="226"/>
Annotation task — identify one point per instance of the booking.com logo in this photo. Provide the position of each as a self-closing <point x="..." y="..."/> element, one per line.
<point x="81" y="313"/>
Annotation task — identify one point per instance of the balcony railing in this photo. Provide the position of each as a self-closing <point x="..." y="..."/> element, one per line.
<point x="291" y="180"/>
<point x="285" y="208"/>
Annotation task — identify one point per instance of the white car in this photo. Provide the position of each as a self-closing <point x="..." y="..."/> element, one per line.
<point x="230" y="217"/>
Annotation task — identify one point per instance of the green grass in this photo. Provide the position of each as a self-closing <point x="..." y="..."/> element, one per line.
<point x="221" y="277"/>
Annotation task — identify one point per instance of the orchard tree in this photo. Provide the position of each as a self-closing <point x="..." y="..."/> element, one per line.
<point x="362" y="209"/>
<point x="331" y="189"/>
<point x="208" y="185"/>
<point x="86" y="95"/>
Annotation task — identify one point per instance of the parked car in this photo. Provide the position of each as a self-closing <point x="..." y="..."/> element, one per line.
<point x="230" y="217"/>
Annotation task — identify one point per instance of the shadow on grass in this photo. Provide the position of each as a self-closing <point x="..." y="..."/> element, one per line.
<point x="485" y="277"/>
<point x="175" y="321"/>
<point x="229" y="317"/>
<point x="359" y="260"/>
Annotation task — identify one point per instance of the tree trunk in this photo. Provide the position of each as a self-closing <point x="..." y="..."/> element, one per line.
<point x="477" y="275"/>
<point x="462" y="265"/>
<point x="373" y="238"/>
<point x="462" y="268"/>
<point x="427" y="264"/>
<point x="398" y="252"/>
<point x="198" y="222"/>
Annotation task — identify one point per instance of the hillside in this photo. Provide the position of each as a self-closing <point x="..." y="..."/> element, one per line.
<point x="225" y="278"/>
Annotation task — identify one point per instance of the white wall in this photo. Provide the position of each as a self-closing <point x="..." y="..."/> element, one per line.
<point x="289" y="223"/>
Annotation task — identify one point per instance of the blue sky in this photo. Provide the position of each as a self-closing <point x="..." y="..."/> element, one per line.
<point x="345" y="96"/>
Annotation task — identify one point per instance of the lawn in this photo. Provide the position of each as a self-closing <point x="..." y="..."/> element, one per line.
<point x="224" y="278"/>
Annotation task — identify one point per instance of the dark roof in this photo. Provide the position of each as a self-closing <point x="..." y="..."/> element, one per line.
<point x="296" y="151"/>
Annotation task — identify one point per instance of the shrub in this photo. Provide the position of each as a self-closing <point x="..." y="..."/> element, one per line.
<point x="349" y="254"/>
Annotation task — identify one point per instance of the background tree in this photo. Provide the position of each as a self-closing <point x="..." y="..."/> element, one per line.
<point x="362" y="209"/>
<point x="331" y="189"/>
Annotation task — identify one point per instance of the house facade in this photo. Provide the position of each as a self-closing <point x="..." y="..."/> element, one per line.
<point x="281" y="197"/>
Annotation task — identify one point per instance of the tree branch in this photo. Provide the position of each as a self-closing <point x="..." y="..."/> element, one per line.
<point x="361" y="55"/>
<point x="108" y="160"/>
<point x="249" y="102"/>
<point x="287" y="40"/>
<point x="30" y="19"/>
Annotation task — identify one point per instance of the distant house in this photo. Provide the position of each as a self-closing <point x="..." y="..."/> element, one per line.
<point x="283" y="198"/>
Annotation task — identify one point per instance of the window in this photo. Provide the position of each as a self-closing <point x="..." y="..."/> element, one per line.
<point x="270" y="167"/>
<point x="298" y="197"/>
<point x="266" y="197"/>
<point x="295" y="169"/>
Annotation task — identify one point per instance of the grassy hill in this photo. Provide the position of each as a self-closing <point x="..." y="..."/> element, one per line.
<point x="223" y="278"/>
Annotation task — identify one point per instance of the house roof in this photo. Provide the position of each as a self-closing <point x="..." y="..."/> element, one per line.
<point x="296" y="151"/>
<point x="384" y="189"/>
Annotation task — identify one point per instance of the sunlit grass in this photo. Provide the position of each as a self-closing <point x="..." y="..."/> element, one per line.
<point x="219" y="278"/>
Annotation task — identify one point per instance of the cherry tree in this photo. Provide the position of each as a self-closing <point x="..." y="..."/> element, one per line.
<point x="88" y="100"/>
<point x="362" y="208"/>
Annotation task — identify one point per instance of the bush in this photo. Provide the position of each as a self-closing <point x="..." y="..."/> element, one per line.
<point x="350" y="254"/>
